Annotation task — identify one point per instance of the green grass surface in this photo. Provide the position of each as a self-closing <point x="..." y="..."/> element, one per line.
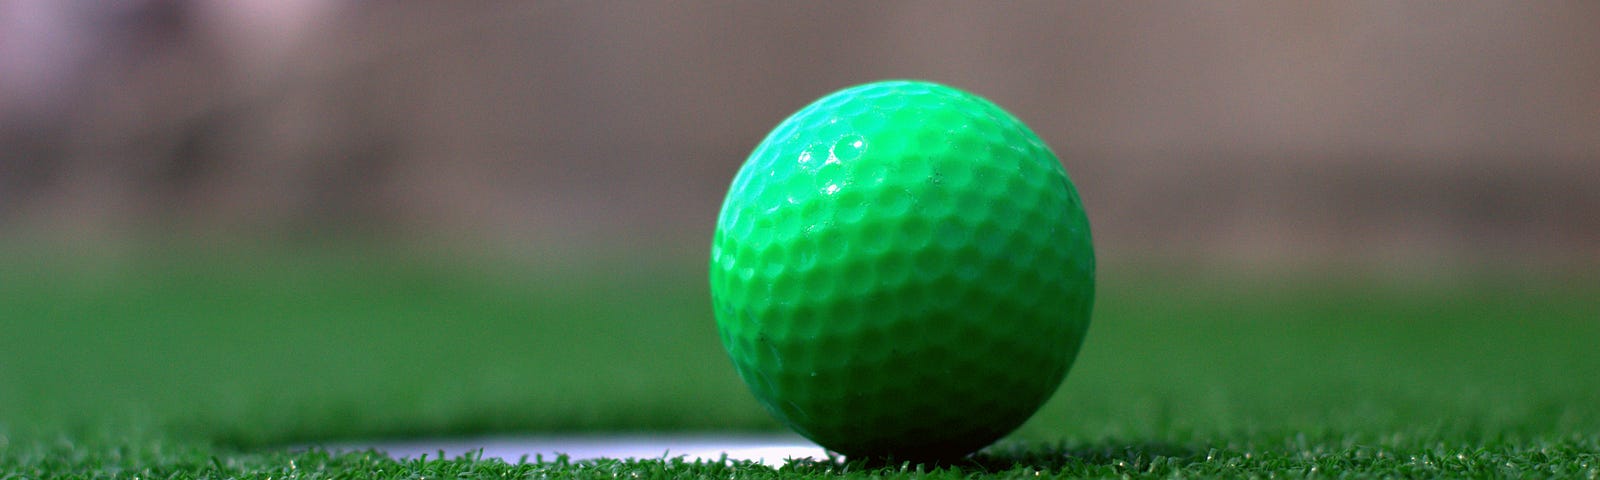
<point x="170" y="362"/>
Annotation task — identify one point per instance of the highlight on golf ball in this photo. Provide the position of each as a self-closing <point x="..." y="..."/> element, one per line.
<point x="902" y="270"/>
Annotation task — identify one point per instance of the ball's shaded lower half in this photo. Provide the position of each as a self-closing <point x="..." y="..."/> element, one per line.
<point x="902" y="270"/>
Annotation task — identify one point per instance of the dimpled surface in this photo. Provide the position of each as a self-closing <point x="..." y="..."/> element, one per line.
<point x="902" y="269"/>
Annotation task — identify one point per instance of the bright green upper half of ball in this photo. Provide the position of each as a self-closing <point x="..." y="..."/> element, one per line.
<point x="896" y="147"/>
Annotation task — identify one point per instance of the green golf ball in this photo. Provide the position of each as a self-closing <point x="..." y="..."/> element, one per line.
<point x="902" y="270"/>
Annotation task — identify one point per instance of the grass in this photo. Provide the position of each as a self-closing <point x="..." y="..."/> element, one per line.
<point x="191" y="361"/>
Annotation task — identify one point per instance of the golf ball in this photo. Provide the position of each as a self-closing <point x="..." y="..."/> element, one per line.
<point x="902" y="270"/>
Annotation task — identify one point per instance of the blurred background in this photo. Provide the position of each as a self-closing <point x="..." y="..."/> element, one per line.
<point x="1247" y="131"/>
<point x="310" y="205"/>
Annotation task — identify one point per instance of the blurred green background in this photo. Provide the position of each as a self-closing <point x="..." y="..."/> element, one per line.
<point x="271" y="222"/>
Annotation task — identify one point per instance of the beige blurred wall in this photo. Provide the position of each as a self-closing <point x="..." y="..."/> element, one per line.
<point x="1272" y="130"/>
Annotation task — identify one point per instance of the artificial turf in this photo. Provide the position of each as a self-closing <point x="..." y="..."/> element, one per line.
<point x="191" y="361"/>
